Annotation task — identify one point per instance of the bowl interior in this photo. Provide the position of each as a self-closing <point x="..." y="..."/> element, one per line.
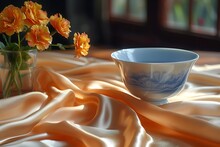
<point x="154" y="55"/>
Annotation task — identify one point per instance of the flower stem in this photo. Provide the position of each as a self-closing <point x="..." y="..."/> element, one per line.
<point x="13" y="82"/>
<point x="20" y="60"/>
<point x="53" y="33"/>
<point x="6" y="85"/>
<point x="19" y="41"/>
<point x="5" y="38"/>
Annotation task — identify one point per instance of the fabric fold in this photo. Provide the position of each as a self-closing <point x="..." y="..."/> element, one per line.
<point x="84" y="103"/>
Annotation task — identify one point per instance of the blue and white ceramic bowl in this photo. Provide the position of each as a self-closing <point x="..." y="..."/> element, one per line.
<point x="154" y="74"/>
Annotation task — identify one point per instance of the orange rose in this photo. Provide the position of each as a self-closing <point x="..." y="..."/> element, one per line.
<point x="39" y="36"/>
<point x="61" y="25"/>
<point x="11" y="20"/>
<point x="34" y="14"/>
<point x="81" y="43"/>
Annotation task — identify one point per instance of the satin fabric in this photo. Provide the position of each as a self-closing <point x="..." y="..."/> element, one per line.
<point x="83" y="102"/>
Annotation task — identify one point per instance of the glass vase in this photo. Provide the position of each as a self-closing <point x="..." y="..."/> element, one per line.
<point x="16" y="72"/>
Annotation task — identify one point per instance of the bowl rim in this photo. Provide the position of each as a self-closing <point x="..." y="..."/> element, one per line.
<point x="156" y="48"/>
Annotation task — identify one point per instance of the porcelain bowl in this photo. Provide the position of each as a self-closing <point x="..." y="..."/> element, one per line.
<point x="154" y="74"/>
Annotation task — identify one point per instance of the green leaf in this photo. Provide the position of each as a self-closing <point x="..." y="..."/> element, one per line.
<point x="12" y="47"/>
<point x="2" y="46"/>
<point x="61" y="46"/>
<point x="26" y="48"/>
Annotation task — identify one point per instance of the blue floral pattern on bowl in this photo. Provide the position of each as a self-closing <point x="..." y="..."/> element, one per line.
<point x="159" y="82"/>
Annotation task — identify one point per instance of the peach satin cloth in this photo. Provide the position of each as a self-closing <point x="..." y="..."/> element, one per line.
<point x="83" y="103"/>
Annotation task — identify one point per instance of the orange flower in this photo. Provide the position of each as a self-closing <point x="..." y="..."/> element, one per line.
<point x="81" y="43"/>
<point x="39" y="36"/>
<point x="11" y="20"/>
<point x="34" y="14"/>
<point x="61" y="25"/>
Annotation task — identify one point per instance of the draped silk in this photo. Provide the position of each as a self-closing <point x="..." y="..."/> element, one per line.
<point x="83" y="103"/>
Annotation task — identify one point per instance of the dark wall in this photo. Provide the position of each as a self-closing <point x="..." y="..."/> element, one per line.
<point x="91" y="16"/>
<point x="151" y="33"/>
<point x="84" y="15"/>
<point x="51" y="6"/>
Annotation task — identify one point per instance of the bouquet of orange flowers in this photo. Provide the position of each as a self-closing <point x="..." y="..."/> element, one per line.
<point x="33" y="29"/>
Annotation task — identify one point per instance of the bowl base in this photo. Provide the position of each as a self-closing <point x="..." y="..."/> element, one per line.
<point x="158" y="103"/>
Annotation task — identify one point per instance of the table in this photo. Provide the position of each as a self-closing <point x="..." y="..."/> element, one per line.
<point x="83" y="102"/>
<point x="205" y="57"/>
